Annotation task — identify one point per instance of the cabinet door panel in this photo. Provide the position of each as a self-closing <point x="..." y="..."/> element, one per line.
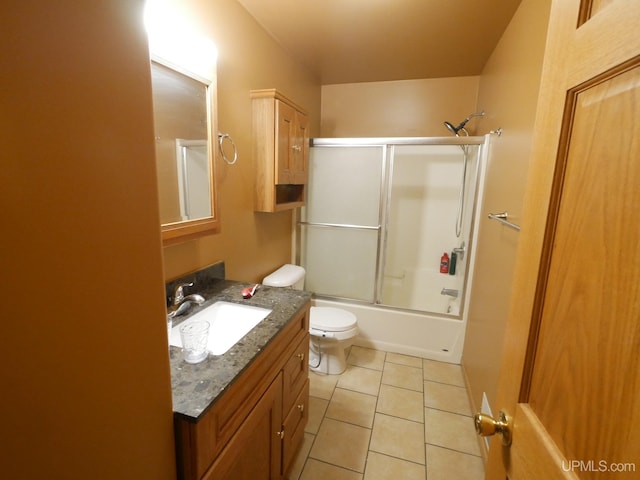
<point x="300" y="153"/>
<point x="255" y="450"/>
<point x="294" y="427"/>
<point x="295" y="373"/>
<point x="285" y="146"/>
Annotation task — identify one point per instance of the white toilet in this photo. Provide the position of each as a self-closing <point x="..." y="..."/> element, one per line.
<point x="332" y="329"/>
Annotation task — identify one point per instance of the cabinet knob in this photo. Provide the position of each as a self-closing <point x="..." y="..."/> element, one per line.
<point x="300" y="356"/>
<point x="301" y="407"/>
<point x="280" y="434"/>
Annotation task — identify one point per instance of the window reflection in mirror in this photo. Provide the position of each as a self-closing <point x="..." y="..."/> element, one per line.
<point x="182" y="112"/>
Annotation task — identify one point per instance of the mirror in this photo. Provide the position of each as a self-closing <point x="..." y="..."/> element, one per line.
<point x="184" y="122"/>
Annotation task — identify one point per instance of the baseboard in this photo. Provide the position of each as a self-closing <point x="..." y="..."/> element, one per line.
<point x="475" y="408"/>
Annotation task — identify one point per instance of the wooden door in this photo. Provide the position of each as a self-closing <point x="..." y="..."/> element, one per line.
<point x="571" y="366"/>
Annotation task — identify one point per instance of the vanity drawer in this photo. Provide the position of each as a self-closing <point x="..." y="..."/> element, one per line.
<point x="296" y="373"/>
<point x="294" y="425"/>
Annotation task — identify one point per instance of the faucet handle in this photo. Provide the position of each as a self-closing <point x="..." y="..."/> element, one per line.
<point x="460" y="251"/>
<point x="178" y="292"/>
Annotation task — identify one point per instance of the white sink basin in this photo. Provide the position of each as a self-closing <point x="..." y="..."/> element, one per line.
<point x="229" y="322"/>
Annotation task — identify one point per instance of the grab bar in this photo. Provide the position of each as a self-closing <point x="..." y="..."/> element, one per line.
<point x="504" y="219"/>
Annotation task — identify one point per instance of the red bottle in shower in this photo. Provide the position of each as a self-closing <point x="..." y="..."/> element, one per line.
<point x="444" y="263"/>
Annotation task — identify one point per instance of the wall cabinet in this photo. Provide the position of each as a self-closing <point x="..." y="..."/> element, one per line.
<point x="256" y="427"/>
<point x="280" y="151"/>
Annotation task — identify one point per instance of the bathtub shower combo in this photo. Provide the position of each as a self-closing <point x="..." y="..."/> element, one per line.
<point x="380" y="214"/>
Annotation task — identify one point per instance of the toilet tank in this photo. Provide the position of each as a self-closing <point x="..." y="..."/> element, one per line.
<point x="288" y="275"/>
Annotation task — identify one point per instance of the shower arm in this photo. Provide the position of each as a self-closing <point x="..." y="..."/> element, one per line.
<point x="462" y="124"/>
<point x="466" y="120"/>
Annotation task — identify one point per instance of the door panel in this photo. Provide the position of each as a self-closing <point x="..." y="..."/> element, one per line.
<point x="255" y="450"/>
<point x="570" y="373"/>
<point x="285" y="118"/>
<point x="534" y="443"/>
<point x="589" y="335"/>
<point x="300" y="164"/>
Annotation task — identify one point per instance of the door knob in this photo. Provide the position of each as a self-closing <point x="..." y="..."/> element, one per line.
<point x="487" y="426"/>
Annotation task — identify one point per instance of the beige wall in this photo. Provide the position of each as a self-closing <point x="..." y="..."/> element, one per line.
<point x="86" y="389"/>
<point x="508" y="93"/>
<point x="403" y="108"/>
<point x="252" y="244"/>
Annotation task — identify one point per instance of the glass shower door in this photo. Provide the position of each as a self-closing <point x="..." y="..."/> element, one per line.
<point x="340" y="227"/>
<point x="425" y="195"/>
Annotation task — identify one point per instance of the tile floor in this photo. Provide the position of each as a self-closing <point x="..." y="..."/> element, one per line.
<point x="389" y="416"/>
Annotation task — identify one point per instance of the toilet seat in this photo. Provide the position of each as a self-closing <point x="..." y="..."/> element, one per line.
<point x="332" y="323"/>
<point x="332" y="319"/>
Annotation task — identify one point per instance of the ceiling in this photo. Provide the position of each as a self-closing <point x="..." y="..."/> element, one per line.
<point x="351" y="41"/>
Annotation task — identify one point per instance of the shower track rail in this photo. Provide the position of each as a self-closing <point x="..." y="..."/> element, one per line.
<point x="341" y="225"/>
<point x="389" y="141"/>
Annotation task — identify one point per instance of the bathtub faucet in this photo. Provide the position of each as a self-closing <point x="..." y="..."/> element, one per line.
<point x="449" y="291"/>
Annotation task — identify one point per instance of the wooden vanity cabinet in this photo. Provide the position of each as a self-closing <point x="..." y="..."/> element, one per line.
<point x="255" y="429"/>
<point x="280" y="151"/>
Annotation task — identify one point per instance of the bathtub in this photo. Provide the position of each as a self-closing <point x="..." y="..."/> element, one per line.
<point x="425" y="335"/>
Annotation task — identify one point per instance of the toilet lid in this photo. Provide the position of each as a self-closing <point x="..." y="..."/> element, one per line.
<point x="332" y="319"/>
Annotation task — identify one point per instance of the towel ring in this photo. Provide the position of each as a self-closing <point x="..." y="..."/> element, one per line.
<point x="221" y="137"/>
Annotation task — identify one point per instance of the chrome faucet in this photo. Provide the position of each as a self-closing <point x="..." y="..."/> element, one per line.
<point x="460" y="251"/>
<point x="449" y="291"/>
<point x="182" y="302"/>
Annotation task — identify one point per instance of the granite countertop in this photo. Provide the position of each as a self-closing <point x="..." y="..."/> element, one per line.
<point x="197" y="387"/>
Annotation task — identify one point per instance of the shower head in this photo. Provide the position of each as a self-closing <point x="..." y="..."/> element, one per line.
<point x="451" y="128"/>
<point x="460" y="127"/>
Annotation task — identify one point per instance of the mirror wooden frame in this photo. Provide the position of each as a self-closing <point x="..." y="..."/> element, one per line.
<point x="182" y="231"/>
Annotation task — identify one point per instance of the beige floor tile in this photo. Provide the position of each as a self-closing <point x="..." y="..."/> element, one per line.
<point x="317" y="409"/>
<point x="363" y="380"/>
<point x="366" y="424"/>
<point x="444" y="464"/>
<point x="450" y="430"/>
<point x="322" y="386"/>
<point x="341" y="444"/>
<point x="398" y="438"/>
<point x="352" y="407"/>
<point x="383" y="467"/>
<point x="443" y="372"/>
<point x="403" y="376"/>
<point x="446" y="397"/>
<point x="315" y="470"/>
<point x="301" y="457"/>
<point x="366" y="357"/>
<point x="400" y="402"/>
<point x="407" y="360"/>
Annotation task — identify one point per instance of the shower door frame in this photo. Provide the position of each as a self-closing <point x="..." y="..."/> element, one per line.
<point x="387" y="144"/>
